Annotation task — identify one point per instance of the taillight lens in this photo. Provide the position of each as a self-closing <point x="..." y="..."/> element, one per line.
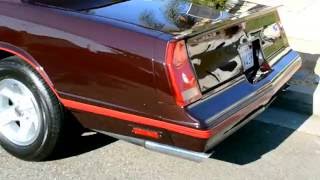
<point x="184" y="82"/>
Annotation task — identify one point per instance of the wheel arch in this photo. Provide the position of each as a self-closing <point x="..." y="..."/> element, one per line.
<point x="7" y="50"/>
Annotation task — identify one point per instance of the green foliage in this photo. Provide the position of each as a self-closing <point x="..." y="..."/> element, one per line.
<point x="218" y="4"/>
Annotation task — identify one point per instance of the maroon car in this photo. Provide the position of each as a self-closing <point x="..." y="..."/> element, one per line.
<point x="173" y="76"/>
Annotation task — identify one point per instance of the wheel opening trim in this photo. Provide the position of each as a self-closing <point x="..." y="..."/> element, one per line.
<point x="36" y="67"/>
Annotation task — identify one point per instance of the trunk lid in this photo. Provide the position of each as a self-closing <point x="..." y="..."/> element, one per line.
<point x="225" y="39"/>
<point x="243" y="46"/>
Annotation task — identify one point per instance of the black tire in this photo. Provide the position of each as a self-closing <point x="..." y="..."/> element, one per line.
<point x="52" y="113"/>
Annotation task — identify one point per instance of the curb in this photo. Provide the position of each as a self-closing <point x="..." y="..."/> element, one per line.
<point x="300" y="99"/>
<point x="316" y="102"/>
<point x="292" y="120"/>
<point x="303" y="95"/>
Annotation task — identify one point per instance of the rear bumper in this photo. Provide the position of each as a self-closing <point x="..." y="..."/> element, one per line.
<point x="225" y="112"/>
<point x="218" y="115"/>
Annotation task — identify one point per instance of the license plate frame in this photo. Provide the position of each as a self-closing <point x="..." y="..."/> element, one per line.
<point x="246" y="56"/>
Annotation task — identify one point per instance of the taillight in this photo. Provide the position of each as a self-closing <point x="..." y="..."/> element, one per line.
<point x="182" y="77"/>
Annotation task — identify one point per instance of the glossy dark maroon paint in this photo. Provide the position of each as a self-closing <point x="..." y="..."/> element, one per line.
<point x="109" y="66"/>
<point x="111" y="63"/>
<point x="95" y="67"/>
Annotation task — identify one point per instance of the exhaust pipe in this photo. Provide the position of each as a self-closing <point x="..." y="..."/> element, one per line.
<point x="178" y="152"/>
<point x="162" y="148"/>
<point x="285" y="87"/>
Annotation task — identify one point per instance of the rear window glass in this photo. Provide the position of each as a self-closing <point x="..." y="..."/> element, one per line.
<point x="75" y="4"/>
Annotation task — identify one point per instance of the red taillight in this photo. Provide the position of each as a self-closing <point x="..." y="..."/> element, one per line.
<point x="183" y="80"/>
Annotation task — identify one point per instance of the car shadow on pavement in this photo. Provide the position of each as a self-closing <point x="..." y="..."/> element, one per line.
<point x="77" y="140"/>
<point x="250" y="143"/>
<point x="85" y="143"/>
<point x="257" y="138"/>
<point x="81" y="144"/>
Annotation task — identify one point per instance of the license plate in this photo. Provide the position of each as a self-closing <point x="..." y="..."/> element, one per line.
<point x="246" y="55"/>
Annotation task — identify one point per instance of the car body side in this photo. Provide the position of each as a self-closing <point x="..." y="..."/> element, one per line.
<point x="113" y="76"/>
<point x="95" y="61"/>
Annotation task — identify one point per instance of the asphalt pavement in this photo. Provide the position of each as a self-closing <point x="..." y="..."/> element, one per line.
<point x="282" y="143"/>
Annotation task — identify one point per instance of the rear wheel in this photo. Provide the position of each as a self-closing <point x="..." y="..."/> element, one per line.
<point x="30" y="114"/>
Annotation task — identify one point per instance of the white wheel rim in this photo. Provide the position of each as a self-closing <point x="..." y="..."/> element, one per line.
<point x="20" y="120"/>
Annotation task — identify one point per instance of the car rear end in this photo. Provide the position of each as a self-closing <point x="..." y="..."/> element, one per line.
<point x="225" y="76"/>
